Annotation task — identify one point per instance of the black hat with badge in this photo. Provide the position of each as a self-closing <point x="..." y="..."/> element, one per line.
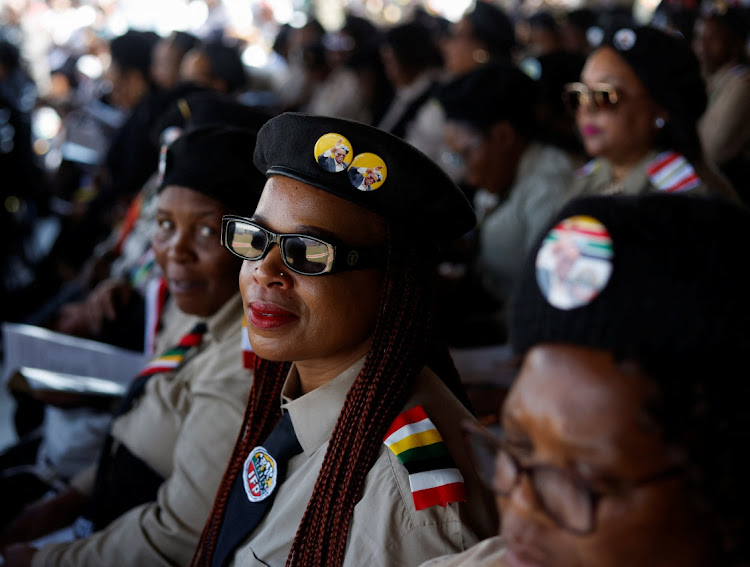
<point x="213" y="160"/>
<point x="658" y="279"/>
<point x="369" y="167"/>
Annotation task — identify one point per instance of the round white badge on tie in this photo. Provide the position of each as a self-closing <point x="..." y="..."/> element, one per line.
<point x="574" y="263"/>
<point x="259" y="475"/>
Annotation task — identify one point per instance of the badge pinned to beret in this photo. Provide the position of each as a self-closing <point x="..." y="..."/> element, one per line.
<point x="574" y="263"/>
<point x="333" y="152"/>
<point x="259" y="475"/>
<point x="367" y="172"/>
<point x="624" y="39"/>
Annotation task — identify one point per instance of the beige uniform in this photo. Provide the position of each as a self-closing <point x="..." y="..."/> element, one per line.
<point x="385" y="528"/>
<point x="725" y="126"/>
<point x="184" y="426"/>
<point x="508" y="233"/>
<point x="595" y="178"/>
<point x="487" y="553"/>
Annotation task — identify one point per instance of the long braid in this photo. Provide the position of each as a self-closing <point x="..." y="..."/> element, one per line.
<point x="399" y="350"/>
<point x="261" y="416"/>
<point x="397" y="355"/>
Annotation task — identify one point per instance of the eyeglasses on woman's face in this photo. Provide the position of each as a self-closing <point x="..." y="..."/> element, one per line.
<point x="601" y="96"/>
<point x="301" y="253"/>
<point x="566" y="497"/>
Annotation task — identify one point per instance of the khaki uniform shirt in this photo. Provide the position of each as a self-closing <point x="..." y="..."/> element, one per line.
<point x="508" y="233"/>
<point x="595" y="178"/>
<point x="725" y="126"/>
<point x="487" y="553"/>
<point x="385" y="528"/>
<point x="184" y="426"/>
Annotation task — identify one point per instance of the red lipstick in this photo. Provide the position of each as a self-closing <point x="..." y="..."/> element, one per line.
<point x="269" y="316"/>
<point x="590" y="130"/>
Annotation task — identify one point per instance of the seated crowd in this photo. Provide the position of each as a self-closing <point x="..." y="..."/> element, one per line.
<point x="300" y="256"/>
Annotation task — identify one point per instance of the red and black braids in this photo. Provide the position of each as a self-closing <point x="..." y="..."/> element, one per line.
<point x="401" y="347"/>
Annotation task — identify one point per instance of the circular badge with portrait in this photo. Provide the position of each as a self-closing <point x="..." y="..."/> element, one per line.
<point x="574" y="263"/>
<point x="259" y="475"/>
<point x="367" y="172"/>
<point x="333" y="152"/>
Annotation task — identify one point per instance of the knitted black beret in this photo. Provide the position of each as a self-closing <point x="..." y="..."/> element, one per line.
<point x="676" y="299"/>
<point x="490" y="94"/>
<point x="414" y="193"/>
<point x="215" y="161"/>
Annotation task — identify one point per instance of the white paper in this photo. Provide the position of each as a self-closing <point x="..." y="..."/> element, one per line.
<point x="35" y="348"/>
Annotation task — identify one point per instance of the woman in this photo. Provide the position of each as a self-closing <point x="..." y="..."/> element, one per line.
<point x="345" y="297"/>
<point x="621" y="438"/>
<point x="146" y="500"/>
<point x="636" y="107"/>
<point x="484" y="34"/>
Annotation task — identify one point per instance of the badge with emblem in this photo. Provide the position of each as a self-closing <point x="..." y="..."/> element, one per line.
<point x="367" y="172"/>
<point x="333" y="152"/>
<point x="574" y="263"/>
<point x="259" y="475"/>
<point x="624" y="39"/>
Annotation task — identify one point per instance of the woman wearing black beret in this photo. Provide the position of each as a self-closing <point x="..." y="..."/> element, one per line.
<point x="623" y="439"/>
<point x="350" y="453"/>
<point x="146" y="499"/>
<point x="636" y="107"/>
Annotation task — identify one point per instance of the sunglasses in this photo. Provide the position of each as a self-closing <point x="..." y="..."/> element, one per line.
<point x="301" y="253"/>
<point x="601" y="97"/>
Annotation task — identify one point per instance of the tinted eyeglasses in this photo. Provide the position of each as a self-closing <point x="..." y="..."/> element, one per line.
<point x="300" y="253"/>
<point x="601" y="97"/>
<point x="567" y="498"/>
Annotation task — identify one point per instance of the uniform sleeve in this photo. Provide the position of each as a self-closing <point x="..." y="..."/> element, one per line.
<point x="166" y="532"/>
<point x="84" y="481"/>
<point x="725" y="127"/>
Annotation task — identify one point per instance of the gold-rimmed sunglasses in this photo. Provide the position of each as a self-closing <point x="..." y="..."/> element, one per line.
<point x="600" y="96"/>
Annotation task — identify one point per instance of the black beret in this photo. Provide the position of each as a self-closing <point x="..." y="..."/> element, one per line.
<point x="490" y="94"/>
<point x="661" y="280"/>
<point x="411" y="191"/>
<point x="214" y="160"/>
<point x="202" y="108"/>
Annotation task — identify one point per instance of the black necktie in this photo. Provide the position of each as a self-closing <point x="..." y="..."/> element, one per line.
<point x="242" y="516"/>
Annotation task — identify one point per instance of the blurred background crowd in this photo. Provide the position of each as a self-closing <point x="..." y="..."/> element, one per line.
<point x="492" y="91"/>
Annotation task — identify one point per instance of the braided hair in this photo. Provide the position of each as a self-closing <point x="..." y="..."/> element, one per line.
<point x="402" y="345"/>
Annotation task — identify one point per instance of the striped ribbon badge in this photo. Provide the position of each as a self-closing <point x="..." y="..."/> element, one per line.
<point x="433" y="476"/>
<point x="174" y="356"/>
<point x="671" y="172"/>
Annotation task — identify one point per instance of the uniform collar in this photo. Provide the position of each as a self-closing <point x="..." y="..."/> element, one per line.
<point x="224" y="321"/>
<point x="315" y="414"/>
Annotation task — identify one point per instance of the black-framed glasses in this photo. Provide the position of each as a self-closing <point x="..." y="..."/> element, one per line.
<point x="300" y="253"/>
<point x="601" y="96"/>
<point x="565" y="496"/>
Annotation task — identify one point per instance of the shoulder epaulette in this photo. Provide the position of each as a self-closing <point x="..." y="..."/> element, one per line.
<point x="671" y="172"/>
<point x="589" y="168"/>
<point x="433" y="476"/>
